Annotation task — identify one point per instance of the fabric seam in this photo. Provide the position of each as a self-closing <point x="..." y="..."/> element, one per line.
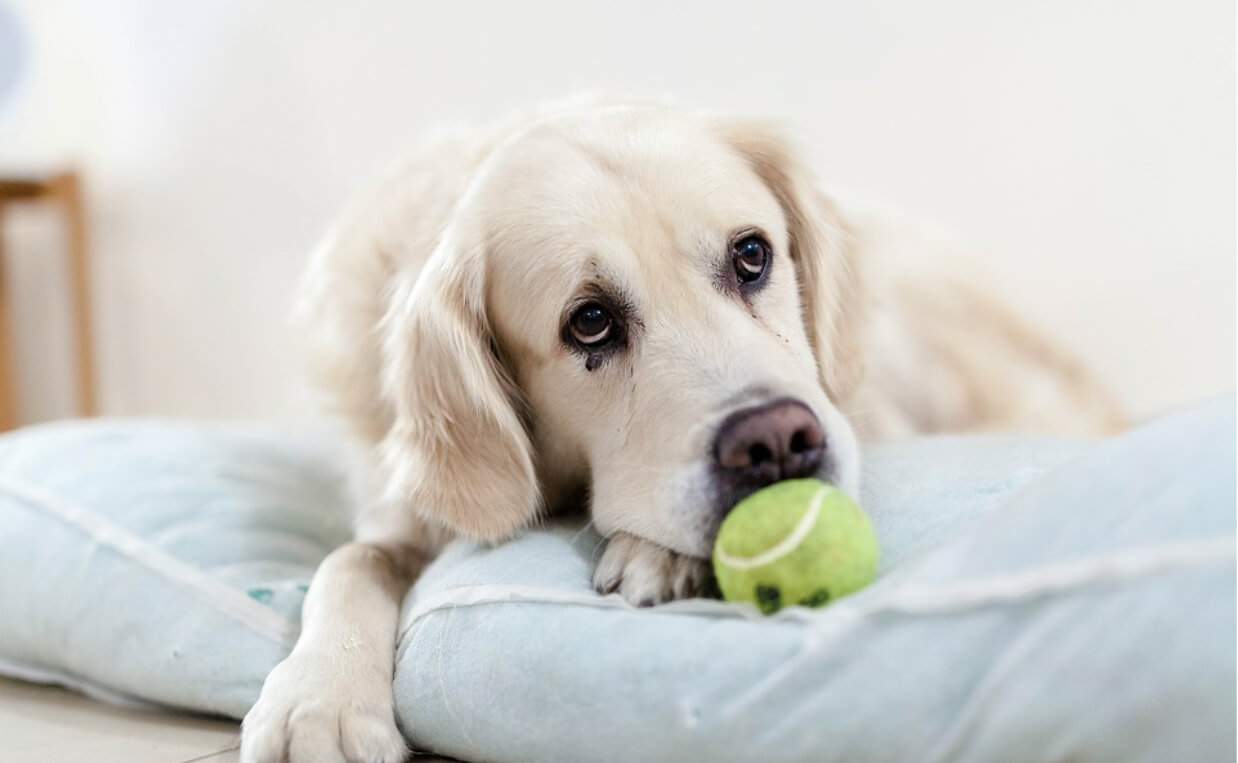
<point x="1062" y="577"/>
<point x="102" y="530"/>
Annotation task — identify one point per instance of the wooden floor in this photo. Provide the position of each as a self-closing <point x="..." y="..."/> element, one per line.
<point x="47" y="723"/>
<point x="44" y="723"/>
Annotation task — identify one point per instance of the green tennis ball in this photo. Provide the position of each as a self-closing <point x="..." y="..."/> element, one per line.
<point x="794" y="542"/>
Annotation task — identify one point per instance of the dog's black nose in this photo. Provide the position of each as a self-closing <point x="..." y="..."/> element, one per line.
<point x="767" y="443"/>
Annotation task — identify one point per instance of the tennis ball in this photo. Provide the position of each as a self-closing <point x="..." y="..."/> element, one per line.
<point x="794" y="542"/>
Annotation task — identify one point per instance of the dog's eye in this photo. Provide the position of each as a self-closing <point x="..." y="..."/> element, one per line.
<point x="751" y="255"/>
<point x="591" y="325"/>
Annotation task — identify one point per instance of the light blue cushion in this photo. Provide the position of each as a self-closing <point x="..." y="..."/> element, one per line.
<point x="160" y="562"/>
<point x="1038" y="599"/>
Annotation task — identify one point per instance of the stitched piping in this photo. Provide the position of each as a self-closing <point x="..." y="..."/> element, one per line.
<point x="102" y="530"/>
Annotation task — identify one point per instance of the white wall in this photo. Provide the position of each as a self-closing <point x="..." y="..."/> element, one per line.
<point x="1086" y="147"/>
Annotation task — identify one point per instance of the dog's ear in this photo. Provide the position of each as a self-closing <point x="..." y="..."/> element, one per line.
<point x="458" y="452"/>
<point x="829" y="278"/>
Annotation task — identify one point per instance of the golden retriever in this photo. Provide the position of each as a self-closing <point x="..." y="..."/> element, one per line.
<point x="647" y="309"/>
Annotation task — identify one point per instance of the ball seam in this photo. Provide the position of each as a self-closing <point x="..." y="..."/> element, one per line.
<point x="782" y="547"/>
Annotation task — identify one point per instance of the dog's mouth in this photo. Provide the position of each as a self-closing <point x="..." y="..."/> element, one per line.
<point x="730" y="489"/>
<point x="754" y="446"/>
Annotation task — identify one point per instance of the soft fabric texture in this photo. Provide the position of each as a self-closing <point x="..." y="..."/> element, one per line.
<point x="1037" y="598"/>
<point x="160" y="562"/>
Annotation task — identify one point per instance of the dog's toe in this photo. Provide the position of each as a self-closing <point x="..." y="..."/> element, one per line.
<point x="312" y="735"/>
<point x="310" y="710"/>
<point x="265" y="739"/>
<point x="366" y="738"/>
<point x="645" y="573"/>
<point x="691" y="577"/>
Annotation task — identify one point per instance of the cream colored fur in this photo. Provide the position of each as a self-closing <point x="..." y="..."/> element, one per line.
<point x="438" y="308"/>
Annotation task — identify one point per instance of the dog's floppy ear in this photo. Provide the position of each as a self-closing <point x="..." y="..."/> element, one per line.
<point x="830" y="288"/>
<point x="458" y="452"/>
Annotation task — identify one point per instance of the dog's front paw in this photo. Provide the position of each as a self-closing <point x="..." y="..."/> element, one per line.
<point x="313" y="710"/>
<point x="645" y="573"/>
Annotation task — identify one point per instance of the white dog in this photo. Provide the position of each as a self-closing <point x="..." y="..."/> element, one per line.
<point x="648" y="309"/>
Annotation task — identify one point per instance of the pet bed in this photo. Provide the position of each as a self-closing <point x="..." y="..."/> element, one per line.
<point x="1038" y="598"/>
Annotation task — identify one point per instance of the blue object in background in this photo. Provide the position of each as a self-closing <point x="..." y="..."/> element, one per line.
<point x="13" y="54"/>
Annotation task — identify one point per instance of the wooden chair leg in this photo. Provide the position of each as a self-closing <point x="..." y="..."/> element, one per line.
<point x="8" y="364"/>
<point x="68" y="189"/>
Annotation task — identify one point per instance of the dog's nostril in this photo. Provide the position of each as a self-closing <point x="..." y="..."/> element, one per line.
<point x="806" y="439"/>
<point x="759" y="453"/>
<point x="779" y="440"/>
<point x="799" y="441"/>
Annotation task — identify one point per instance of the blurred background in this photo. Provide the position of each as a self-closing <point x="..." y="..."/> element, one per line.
<point x="1085" y="150"/>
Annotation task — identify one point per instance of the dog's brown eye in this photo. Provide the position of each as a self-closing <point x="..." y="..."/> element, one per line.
<point x="751" y="255"/>
<point x="591" y="325"/>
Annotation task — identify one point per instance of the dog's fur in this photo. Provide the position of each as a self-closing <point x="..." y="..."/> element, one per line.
<point x="441" y="308"/>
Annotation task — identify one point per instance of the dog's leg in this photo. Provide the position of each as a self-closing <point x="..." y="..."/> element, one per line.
<point x="331" y="699"/>
<point x="645" y="573"/>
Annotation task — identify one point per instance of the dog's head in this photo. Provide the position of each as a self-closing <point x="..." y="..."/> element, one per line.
<point x="653" y="310"/>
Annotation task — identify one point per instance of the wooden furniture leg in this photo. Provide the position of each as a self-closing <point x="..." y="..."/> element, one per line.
<point x="64" y="190"/>
<point x="69" y="190"/>
<point x="8" y="364"/>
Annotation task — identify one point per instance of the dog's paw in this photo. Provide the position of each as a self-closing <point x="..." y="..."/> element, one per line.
<point x="645" y="573"/>
<point x="313" y="710"/>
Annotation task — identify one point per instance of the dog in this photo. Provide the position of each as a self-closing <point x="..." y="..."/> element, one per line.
<point x="644" y="308"/>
